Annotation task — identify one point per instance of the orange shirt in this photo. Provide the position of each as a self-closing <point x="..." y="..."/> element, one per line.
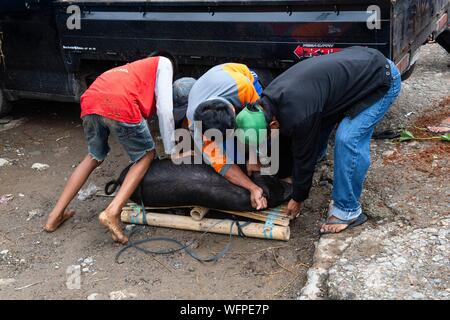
<point x="231" y="81"/>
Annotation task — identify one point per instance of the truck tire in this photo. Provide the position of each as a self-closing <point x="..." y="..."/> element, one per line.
<point x="444" y="40"/>
<point x="408" y="72"/>
<point x="5" y="105"/>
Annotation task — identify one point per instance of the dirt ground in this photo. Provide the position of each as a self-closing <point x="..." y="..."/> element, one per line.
<point x="53" y="135"/>
<point x="34" y="264"/>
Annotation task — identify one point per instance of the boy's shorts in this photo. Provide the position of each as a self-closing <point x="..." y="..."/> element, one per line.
<point x="135" y="138"/>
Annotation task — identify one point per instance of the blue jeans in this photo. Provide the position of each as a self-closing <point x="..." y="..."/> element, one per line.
<point x="352" y="152"/>
<point x="323" y="142"/>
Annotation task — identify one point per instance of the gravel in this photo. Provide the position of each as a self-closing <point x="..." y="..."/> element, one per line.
<point x="413" y="264"/>
<point x="403" y="253"/>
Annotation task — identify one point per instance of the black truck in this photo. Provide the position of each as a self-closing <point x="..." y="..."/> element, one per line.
<point x="54" y="49"/>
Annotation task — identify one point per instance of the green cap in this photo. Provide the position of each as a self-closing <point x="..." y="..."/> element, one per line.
<point x="249" y="123"/>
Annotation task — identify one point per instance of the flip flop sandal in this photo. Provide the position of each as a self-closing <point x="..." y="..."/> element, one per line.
<point x="441" y="125"/>
<point x="350" y="223"/>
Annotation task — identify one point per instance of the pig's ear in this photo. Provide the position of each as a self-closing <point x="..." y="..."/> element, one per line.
<point x="287" y="190"/>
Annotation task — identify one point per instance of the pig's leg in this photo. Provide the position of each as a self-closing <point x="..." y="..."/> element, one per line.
<point x="59" y="213"/>
<point x="110" y="217"/>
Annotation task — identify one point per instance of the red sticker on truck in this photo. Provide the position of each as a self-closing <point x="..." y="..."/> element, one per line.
<point x="312" y="50"/>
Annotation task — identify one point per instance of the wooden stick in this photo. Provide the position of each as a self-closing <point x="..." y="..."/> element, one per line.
<point x="276" y="260"/>
<point x="197" y="213"/>
<point x="303" y="265"/>
<point x="277" y="219"/>
<point x="98" y="280"/>
<point x="163" y="264"/>
<point x="254" y="230"/>
<point x="27" y="286"/>
<point x="254" y="252"/>
<point x="287" y="285"/>
<point x="100" y="193"/>
<point x="277" y="214"/>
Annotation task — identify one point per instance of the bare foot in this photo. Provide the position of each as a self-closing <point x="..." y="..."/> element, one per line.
<point x="113" y="225"/>
<point x="54" y="220"/>
<point x="333" y="228"/>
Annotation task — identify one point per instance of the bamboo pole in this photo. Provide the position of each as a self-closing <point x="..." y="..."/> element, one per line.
<point x="254" y="230"/>
<point x="198" y="213"/>
<point x="277" y="219"/>
<point x="276" y="215"/>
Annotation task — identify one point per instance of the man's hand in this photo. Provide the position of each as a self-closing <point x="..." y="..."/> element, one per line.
<point x="257" y="198"/>
<point x="236" y="176"/>
<point x="293" y="208"/>
<point x="253" y="168"/>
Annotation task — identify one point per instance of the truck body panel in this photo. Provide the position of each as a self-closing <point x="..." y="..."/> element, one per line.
<point x="45" y="57"/>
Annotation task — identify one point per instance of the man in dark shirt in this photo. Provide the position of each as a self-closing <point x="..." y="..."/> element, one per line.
<point x="353" y="88"/>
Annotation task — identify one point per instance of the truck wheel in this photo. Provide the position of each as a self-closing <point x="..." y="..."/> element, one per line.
<point x="5" y="105"/>
<point x="444" y="40"/>
<point x="408" y="73"/>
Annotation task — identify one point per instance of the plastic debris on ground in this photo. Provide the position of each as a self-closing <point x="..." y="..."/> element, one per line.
<point x="88" y="192"/>
<point x="4" y="162"/>
<point x="40" y="166"/>
<point x="6" y="198"/>
<point x="34" y="213"/>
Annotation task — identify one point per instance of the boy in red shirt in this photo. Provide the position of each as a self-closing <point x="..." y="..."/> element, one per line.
<point x="119" y="102"/>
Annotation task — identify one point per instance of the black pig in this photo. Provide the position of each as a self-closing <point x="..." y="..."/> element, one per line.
<point x="168" y="185"/>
